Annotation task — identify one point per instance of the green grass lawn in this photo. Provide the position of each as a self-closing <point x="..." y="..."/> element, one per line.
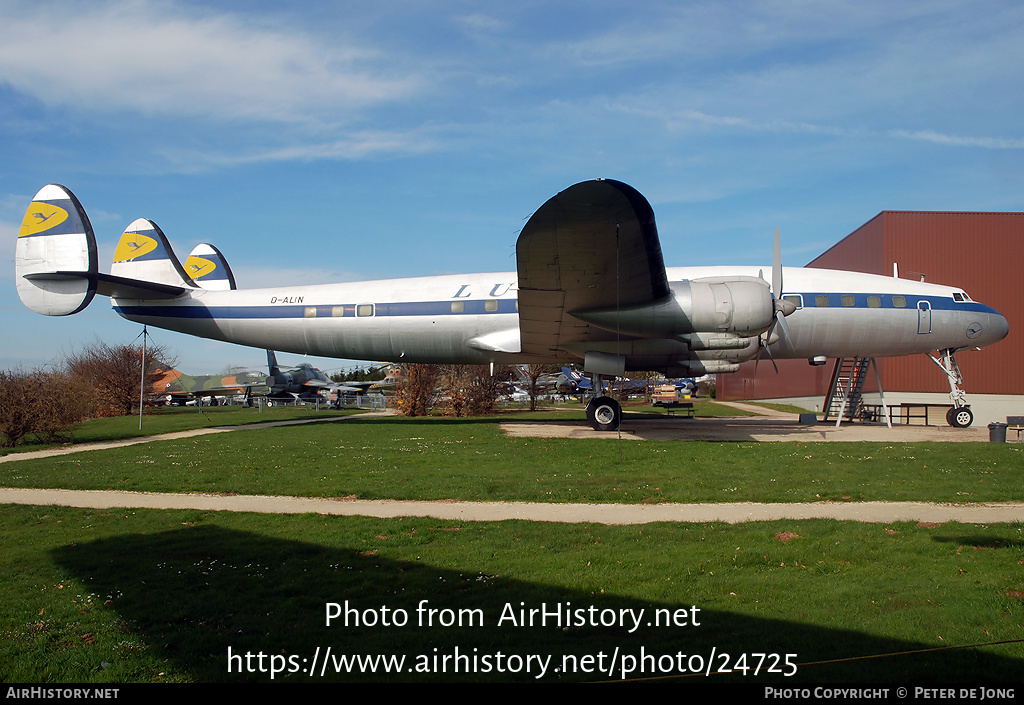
<point x="160" y="596"/>
<point x="170" y="419"/>
<point x="471" y="459"/>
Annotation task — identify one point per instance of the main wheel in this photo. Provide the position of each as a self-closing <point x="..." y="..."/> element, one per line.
<point x="961" y="417"/>
<point x="604" y="414"/>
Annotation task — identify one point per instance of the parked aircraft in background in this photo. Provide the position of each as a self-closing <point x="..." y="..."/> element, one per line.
<point x="303" y="381"/>
<point x="591" y="287"/>
<point x="177" y="388"/>
<point x="572" y="382"/>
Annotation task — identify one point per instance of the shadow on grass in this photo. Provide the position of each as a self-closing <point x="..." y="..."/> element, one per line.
<point x="979" y="543"/>
<point x="194" y="593"/>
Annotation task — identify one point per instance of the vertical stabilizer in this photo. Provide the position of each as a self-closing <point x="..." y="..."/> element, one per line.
<point x="209" y="269"/>
<point x="55" y="257"/>
<point x="144" y="254"/>
<point x="275" y="369"/>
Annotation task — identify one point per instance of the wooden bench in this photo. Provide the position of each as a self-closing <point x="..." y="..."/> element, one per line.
<point x="671" y="406"/>
<point x="1015" y="423"/>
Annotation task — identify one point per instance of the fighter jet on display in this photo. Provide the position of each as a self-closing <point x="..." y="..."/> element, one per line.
<point x="304" y="381"/>
<point x="178" y="388"/>
<point x="591" y="287"/>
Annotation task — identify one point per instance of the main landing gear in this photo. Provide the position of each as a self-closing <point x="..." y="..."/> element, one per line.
<point x="960" y="416"/>
<point x="604" y="413"/>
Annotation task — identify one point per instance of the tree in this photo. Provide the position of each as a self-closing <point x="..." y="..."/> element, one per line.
<point x="462" y="390"/>
<point x="534" y="373"/>
<point x="416" y="388"/>
<point x="44" y="403"/>
<point x="113" y="372"/>
<point x="470" y="390"/>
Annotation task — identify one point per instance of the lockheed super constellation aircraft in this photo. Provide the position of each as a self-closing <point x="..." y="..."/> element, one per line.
<point x="591" y="287"/>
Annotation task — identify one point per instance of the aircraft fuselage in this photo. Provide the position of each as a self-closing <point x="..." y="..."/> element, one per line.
<point x="474" y="319"/>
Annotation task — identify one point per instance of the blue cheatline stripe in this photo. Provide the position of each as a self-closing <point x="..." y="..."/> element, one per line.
<point x="389" y="309"/>
<point x="937" y="303"/>
<point x="478" y="306"/>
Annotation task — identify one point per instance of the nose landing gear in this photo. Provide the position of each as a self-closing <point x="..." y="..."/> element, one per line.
<point x="960" y="416"/>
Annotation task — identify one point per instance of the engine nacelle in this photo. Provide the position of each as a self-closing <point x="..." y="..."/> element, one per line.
<point x="740" y="306"/>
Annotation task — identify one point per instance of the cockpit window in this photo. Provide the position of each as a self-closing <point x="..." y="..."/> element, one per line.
<point x="957" y="296"/>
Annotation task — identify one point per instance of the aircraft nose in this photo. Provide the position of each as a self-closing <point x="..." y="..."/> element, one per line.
<point x="994" y="327"/>
<point x="1002" y="327"/>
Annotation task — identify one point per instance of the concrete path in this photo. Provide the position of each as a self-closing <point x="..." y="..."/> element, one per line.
<point x="615" y="514"/>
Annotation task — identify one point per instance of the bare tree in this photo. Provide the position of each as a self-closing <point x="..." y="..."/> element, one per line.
<point x="469" y="390"/>
<point x="113" y="372"/>
<point x="416" y="388"/>
<point x="44" y="403"/>
<point x="533" y="374"/>
<point x="462" y="390"/>
<point x="16" y="392"/>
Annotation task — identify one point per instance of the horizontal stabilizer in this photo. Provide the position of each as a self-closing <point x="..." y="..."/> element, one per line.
<point x="121" y="288"/>
<point x="55" y="238"/>
<point x="109" y="285"/>
<point x="144" y="254"/>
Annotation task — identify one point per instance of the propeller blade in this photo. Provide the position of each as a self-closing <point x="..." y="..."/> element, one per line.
<point x="772" y="358"/>
<point x="777" y="266"/>
<point x="782" y="308"/>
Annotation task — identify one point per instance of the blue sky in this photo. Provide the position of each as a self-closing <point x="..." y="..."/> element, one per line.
<point x="341" y="141"/>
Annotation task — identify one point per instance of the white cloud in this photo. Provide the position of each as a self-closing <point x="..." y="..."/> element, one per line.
<point x="355" y="145"/>
<point x="159" y="59"/>
<point x="958" y="140"/>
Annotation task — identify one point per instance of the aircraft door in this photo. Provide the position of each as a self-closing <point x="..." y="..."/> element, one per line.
<point x="924" y="317"/>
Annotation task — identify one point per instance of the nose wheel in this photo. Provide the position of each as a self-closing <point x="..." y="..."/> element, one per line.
<point x="961" y="417"/>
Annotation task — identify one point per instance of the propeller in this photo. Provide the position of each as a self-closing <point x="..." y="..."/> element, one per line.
<point x="782" y="307"/>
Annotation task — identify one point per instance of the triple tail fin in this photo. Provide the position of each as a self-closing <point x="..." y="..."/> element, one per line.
<point x="209" y="269"/>
<point x="55" y="258"/>
<point x="56" y="270"/>
<point x="143" y="254"/>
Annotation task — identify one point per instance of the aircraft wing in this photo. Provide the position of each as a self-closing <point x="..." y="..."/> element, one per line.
<point x="334" y="386"/>
<point x="594" y="245"/>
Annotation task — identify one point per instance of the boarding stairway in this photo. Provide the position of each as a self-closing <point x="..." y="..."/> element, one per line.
<point x="844" y="393"/>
